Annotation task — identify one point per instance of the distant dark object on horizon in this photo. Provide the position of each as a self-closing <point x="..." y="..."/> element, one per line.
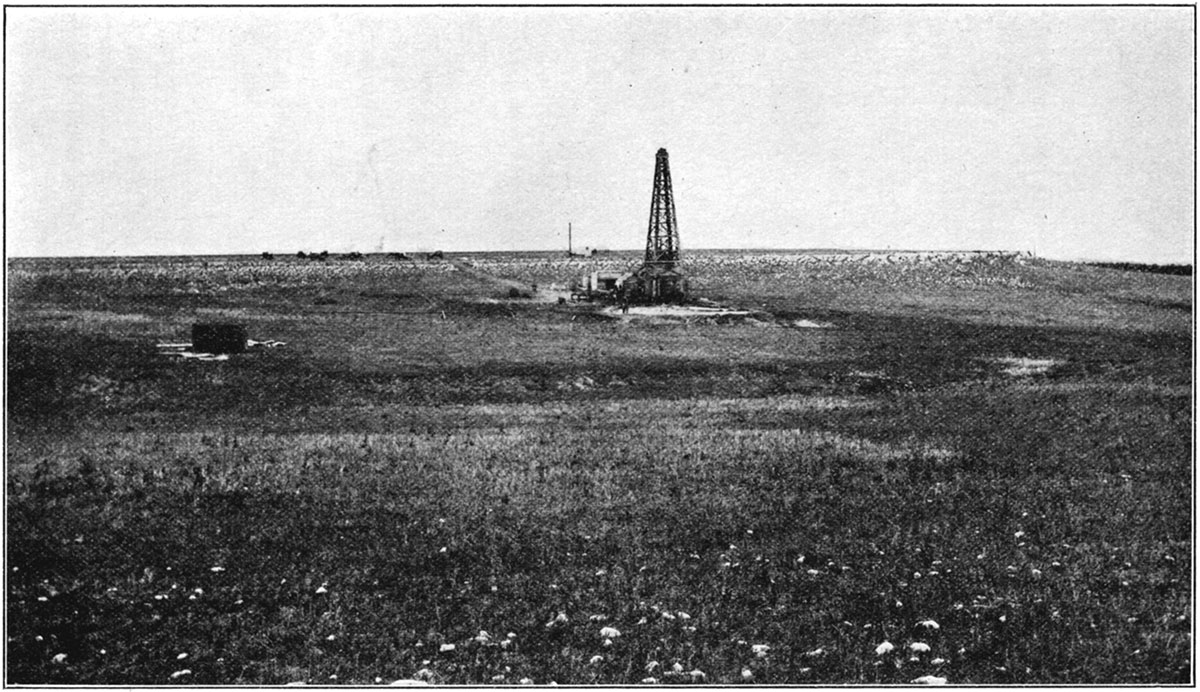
<point x="268" y="256"/>
<point x="354" y="256"/>
<point x="1174" y="269"/>
<point x="436" y="254"/>
<point x="398" y="255"/>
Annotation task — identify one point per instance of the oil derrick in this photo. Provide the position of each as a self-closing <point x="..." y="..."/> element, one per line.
<point x="662" y="238"/>
<point x="658" y="279"/>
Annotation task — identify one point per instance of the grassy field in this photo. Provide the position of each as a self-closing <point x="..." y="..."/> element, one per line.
<point x="982" y="461"/>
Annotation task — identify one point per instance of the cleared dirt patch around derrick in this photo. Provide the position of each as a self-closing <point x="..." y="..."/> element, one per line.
<point x="1025" y="367"/>
<point x="675" y="311"/>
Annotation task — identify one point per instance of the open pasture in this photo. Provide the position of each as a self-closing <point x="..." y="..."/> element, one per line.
<point x="983" y="461"/>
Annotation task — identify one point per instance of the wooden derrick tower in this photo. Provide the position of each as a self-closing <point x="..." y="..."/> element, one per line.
<point x="662" y="238"/>
<point x="658" y="279"/>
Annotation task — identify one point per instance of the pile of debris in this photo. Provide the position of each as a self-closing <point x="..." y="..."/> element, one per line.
<point x="184" y="349"/>
<point x="215" y="341"/>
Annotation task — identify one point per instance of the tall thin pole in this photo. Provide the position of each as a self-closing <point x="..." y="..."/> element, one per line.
<point x="569" y="252"/>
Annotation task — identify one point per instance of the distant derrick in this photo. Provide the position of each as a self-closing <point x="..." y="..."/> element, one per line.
<point x="662" y="238"/>
<point x="658" y="279"/>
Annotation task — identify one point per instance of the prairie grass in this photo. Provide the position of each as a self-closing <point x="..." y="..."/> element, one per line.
<point x="469" y="493"/>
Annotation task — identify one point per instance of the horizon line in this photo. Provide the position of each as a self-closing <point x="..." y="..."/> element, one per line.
<point x="603" y="251"/>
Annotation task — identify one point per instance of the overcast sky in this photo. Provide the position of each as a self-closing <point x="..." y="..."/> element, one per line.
<point x="1065" y="131"/>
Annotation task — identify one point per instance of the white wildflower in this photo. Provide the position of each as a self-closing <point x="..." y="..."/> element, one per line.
<point x="610" y="632"/>
<point x="697" y="675"/>
<point x="819" y="651"/>
<point x="938" y="661"/>
<point x="322" y="589"/>
<point x="929" y="624"/>
<point x="444" y="648"/>
<point x="180" y="673"/>
<point x="649" y="681"/>
<point x="760" y="650"/>
<point x="216" y="568"/>
<point x="929" y="680"/>
<point x="180" y="657"/>
<point x="677" y="667"/>
<point x="747" y="674"/>
<point x="59" y="658"/>
<point x="408" y="683"/>
<point x="918" y="647"/>
<point x="596" y="659"/>
<point x="526" y="681"/>
<point x="884" y="648"/>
